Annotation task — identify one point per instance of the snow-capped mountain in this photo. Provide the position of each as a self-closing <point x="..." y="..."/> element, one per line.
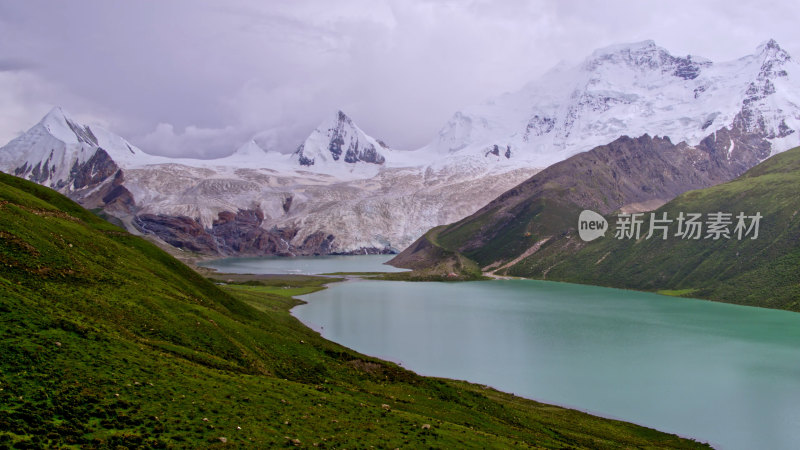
<point x="336" y="147"/>
<point x="82" y="162"/>
<point x="342" y="190"/>
<point x="340" y="140"/>
<point x="55" y="149"/>
<point x="631" y="89"/>
<point x="257" y="201"/>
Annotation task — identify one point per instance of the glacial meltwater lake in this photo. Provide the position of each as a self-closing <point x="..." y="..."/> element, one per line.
<point x="304" y="265"/>
<point x="719" y="373"/>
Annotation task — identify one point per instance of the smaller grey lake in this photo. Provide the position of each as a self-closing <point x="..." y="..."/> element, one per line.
<point x="304" y="265"/>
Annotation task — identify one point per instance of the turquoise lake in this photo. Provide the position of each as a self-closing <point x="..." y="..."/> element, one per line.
<point x="724" y="374"/>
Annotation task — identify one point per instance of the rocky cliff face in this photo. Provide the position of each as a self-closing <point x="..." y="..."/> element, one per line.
<point x="239" y="234"/>
<point x="94" y="171"/>
<point x="231" y="234"/>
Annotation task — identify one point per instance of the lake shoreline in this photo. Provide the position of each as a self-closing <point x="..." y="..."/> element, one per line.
<point x="334" y="280"/>
<point x="319" y="329"/>
<point x="708" y="333"/>
<point x="200" y="264"/>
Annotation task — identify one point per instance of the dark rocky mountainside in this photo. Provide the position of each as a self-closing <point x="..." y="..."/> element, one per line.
<point x="629" y="173"/>
<point x="239" y="233"/>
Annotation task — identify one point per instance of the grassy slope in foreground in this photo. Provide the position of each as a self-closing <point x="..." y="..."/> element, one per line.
<point x="106" y="341"/>
<point x="762" y="272"/>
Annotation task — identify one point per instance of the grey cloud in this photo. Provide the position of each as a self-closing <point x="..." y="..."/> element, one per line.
<point x="219" y="73"/>
<point x="15" y="65"/>
<point x="192" y="141"/>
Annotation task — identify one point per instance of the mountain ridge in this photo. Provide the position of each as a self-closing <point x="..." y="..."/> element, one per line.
<point x="624" y="173"/>
<point x="360" y="195"/>
<point x="257" y="202"/>
<point x="575" y="107"/>
<point x="757" y="270"/>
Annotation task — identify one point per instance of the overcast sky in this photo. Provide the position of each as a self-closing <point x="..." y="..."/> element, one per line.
<point x="199" y="78"/>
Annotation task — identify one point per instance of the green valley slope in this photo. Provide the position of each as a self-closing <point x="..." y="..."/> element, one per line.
<point x="757" y="272"/>
<point x="107" y="341"/>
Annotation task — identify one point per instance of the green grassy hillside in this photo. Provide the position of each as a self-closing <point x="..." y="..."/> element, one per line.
<point x="761" y="272"/>
<point x="106" y="341"/>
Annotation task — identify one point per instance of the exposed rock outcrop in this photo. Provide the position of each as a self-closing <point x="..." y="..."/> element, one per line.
<point x="238" y="233"/>
<point x="94" y="171"/>
<point x="180" y="232"/>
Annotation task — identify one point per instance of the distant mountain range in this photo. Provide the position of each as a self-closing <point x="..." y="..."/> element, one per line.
<point x="532" y="229"/>
<point x="343" y="191"/>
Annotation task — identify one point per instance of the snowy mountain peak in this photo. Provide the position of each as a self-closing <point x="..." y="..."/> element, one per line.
<point x="338" y="140"/>
<point x="773" y="60"/>
<point x="343" y="118"/>
<point x="631" y="89"/>
<point x="56" y="116"/>
<point x="58" y="123"/>
<point x="645" y="56"/>
<point x="55" y="151"/>
<point x="250" y="149"/>
<point x="771" y="49"/>
<point x="252" y="155"/>
<point x="632" y="54"/>
<point x="625" y="49"/>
